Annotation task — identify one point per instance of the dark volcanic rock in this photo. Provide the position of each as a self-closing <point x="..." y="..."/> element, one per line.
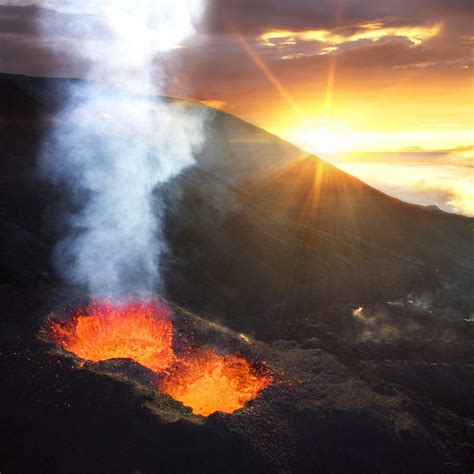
<point x="360" y="303"/>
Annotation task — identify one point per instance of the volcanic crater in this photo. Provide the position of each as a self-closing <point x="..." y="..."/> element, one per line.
<point x="176" y="361"/>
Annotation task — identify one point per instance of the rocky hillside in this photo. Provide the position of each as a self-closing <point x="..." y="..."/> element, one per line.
<point x="361" y="304"/>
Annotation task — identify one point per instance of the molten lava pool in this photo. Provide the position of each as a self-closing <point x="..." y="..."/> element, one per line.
<point x="208" y="382"/>
<point x="142" y="331"/>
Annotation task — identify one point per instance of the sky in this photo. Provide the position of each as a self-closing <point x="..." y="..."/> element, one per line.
<point x="336" y="77"/>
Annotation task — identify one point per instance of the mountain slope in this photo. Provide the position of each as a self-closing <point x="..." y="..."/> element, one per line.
<point x="362" y="304"/>
<point x="305" y="236"/>
<point x="257" y="229"/>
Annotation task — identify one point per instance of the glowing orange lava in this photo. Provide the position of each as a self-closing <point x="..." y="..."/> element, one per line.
<point x="208" y="382"/>
<point x="140" y="331"/>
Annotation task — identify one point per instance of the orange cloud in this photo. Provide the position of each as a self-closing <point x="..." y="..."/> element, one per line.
<point x="369" y="31"/>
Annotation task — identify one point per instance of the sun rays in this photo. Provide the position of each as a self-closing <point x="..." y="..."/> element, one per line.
<point x="266" y="71"/>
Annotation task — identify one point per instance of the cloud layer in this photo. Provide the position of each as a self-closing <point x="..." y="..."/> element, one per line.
<point x="444" y="179"/>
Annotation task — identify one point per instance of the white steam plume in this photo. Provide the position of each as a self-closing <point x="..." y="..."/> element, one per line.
<point x="113" y="148"/>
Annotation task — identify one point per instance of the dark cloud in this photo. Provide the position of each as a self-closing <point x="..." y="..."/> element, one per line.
<point x="41" y="41"/>
<point x="253" y="17"/>
<point x="20" y="20"/>
<point x="22" y="47"/>
<point x="218" y="62"/>
<point x="214" y="64"/>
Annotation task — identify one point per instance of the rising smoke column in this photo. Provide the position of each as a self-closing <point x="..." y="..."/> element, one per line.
<point x="112" y="148"/>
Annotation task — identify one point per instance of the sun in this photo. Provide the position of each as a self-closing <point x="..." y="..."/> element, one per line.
<point x="327" y="141"/>
<point x="320" y="138"/>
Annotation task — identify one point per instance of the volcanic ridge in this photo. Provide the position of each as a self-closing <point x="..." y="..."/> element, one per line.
<point x="341" y="317"/>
